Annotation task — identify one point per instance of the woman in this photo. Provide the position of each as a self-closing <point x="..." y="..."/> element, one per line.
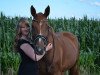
<point x="28" y="65"/>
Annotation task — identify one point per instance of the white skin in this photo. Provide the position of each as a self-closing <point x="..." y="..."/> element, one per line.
<point x="28" y="50"/>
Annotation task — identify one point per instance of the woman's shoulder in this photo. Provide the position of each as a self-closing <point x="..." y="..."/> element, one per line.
<point x="22" y="41"/>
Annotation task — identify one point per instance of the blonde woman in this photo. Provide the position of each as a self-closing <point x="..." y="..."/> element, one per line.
<point x="29" y="59"/>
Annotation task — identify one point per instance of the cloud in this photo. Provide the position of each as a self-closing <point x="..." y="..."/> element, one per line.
<point x="96" y="3"/>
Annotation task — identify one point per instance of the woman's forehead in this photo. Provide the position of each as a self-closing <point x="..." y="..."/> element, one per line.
<point x="24" y="25"/>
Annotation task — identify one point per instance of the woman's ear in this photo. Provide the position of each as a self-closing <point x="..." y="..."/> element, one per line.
<point x="33" y="11"/>
<point x="47" y="11"/>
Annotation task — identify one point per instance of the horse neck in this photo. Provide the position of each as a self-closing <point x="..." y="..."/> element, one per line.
<point x="51" y="37"/>
<point x="50" y="54"/>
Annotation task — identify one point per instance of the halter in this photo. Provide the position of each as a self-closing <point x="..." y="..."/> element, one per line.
<point x="39" y="49"/>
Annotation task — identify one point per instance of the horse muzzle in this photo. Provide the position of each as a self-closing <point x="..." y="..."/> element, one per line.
<point x="39" y="49"/>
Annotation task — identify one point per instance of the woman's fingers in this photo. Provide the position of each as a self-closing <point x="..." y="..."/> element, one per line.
<point x="49" y="46"/>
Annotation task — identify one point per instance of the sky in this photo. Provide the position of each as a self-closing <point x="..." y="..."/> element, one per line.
<point x="58" y="8"/>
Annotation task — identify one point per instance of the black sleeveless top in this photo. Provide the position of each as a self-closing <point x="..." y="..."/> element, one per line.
<point x="27" y="65"/>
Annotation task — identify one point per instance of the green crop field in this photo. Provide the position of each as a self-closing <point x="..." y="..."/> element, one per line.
<point x="87" y="31"/>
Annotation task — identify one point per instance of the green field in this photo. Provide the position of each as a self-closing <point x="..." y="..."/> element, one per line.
<point x="87" y="31"/>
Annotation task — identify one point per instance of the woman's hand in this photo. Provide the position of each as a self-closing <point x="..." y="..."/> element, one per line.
<point x="49" y="46"/>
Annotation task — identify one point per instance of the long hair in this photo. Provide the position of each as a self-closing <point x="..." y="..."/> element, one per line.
<point x="18" y="33"/>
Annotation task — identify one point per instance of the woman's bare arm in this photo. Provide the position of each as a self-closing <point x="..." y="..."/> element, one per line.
<point x="29" y="51"/>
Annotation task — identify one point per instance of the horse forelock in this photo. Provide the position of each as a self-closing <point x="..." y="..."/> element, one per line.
<point x="39" y="16"/>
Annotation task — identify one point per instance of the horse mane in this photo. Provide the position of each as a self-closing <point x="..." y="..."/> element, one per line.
<point x="51" y="30"/>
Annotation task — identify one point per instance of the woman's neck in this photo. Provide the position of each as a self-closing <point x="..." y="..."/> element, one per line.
<point x="24" y="37"/>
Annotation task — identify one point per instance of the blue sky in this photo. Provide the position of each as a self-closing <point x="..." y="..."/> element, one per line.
<point x="58" y="8"/>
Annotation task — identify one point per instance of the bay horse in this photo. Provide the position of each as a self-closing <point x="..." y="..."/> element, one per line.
<point x="65" y="52"/>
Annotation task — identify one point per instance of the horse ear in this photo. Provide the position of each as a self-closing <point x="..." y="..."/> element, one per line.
<point x="33" y="11"/>
<point x="47" y="11"/>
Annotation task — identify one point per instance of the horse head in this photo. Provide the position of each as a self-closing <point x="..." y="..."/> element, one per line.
<point x="40" y="29"/>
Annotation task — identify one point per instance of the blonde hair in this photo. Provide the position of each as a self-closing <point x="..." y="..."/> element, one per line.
<point x="18" y="31"/>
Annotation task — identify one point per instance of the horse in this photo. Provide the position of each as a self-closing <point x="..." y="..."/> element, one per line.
<point x="65" y="52"/>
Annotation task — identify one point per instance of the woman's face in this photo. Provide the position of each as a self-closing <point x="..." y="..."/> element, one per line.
<point x="25" y="29"/>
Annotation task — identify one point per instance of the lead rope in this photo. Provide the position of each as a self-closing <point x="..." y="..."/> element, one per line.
<point x="34" y="50"/>
<point x="37" y="64"/>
